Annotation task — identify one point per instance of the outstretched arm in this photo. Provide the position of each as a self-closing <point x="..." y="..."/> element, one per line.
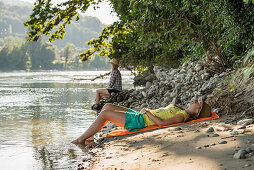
<point x="158" y="121"/>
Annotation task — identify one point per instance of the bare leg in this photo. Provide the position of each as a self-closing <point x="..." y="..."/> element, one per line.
<point x="104" y="92"/>
<point x="116" y="117"/>
<point x="110" y="106"/>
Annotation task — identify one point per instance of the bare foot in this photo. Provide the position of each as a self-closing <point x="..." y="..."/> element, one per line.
<point x="89" y="142"/>
<point x="76" y="142"/>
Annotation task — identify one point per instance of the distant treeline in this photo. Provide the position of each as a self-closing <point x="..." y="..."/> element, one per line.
<point x="17" y="54"/>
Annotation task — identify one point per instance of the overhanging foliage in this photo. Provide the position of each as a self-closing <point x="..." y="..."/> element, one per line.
<point x="158" y="32"/>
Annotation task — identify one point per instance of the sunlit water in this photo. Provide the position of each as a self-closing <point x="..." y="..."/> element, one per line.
<point x="41" y="113"/>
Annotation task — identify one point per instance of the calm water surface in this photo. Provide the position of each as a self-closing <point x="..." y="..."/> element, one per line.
<point x="41" y="113"/>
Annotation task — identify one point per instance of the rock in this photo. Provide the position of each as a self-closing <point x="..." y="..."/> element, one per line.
<point x="245" y="122"/>
<point x="144" y="93"/>
<point x="175" y="100"/>
<point x="215" y="135"/>
<point x="234" y="122"/>
<point x="144" y="105"/>
<point x="198" y="147"/>
<point x="248" y="150"/>
<point x="167" y="100"/>
<point x="177" y="129"/>
<point x="234" y="133"/>
<point x="131" y="99"/>
<point x="198" y="67"/>
<point x="241" y="131"/>
<point x="210" y="129"/>
<point x="242" y="127"/>
<point x="243" y="114"/>
<point x="247" y="165"/>
<point x="148" y="84"/>
<point x="213" y="144"/>
<point x="217" y="111"/>
<point x="206" y="146"/>
<point x="238" y="94"/>
<point x="240" y="154"/>
<point x="223" y="142"/>
<point x="180" y="76"/>
<point x="88" y="147"/>
<point x="227" y="129"/>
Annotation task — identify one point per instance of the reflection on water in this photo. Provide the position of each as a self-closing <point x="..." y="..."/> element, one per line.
<point x="40" y="113"/>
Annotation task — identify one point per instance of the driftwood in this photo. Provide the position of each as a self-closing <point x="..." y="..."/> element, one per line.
<point x="92" y="79"/>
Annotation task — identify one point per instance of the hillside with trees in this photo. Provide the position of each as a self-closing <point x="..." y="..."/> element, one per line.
<point x="13" y="17"/>
<point x="17" y="54"/>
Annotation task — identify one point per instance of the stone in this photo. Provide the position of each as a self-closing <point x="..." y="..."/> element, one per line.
<point x="241" y="131"/>
<point x="245" y="122"/>
<point x="247" y="165"/>
<point x="198" y="147"/>
<point x="206" y="146"/>
<point x="148" y="84"/>
<point x="198" y="67"/>
<point x="234" y="133"/>
<point x="210" y="129"/>
<point x="248" y="150"/>
<point x="215" y="135"/>
<point x="242" y="127"/>
<point x="217" y="111"/>
<point x="167" y="100"/>
<point x="223" y="142"/>
<point x="177" y="129"/>
<point x="144" y="93"/>
<point x="227" y="129"/>
<point x="240" y="154"/>
<point x="130" y="100"/>
<point x="175" y="100"/>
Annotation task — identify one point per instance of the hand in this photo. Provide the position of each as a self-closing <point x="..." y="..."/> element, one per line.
<point x="144" y="110"/>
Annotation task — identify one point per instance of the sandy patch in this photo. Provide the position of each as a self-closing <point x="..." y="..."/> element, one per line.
<point x="174" y="148"/>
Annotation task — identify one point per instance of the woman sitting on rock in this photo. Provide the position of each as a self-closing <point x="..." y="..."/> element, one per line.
<point x="133" y="121"/>
<point x="115" y="82"/>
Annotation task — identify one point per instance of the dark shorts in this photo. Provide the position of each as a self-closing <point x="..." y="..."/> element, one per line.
<point x="112" y="90"/>
<point x="134" y="120"/>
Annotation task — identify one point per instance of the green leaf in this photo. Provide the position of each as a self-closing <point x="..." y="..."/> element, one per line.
<point x="232" y="86"/>
<point x="248" y="71"/>
<point x="246" y="59"/>
<point x="232" y="78"/>
<point x="228" y="79"/>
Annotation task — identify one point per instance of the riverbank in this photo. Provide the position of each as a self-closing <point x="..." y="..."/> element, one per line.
<point x="189" y="146"/>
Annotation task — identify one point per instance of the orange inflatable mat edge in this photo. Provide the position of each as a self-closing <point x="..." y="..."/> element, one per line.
<point x="123" y="131"/>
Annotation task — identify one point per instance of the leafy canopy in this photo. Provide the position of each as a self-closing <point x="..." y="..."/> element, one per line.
<point x="157" y="32"/>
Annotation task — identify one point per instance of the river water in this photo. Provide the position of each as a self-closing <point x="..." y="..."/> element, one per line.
<point x="42" y="112"/>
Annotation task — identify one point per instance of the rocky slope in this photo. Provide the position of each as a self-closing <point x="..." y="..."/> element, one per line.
<point x="179" y="86"/>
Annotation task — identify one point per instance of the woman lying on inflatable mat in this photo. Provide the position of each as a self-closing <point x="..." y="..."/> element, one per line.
<point x="133" y="121"/>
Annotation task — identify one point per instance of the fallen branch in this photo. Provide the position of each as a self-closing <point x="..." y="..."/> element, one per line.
<point x="92" y="79"/>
